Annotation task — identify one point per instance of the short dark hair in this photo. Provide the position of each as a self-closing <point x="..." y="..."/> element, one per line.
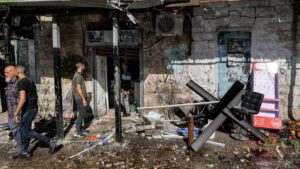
<point x="78" y="64"/>
<point x="21" y="68"/>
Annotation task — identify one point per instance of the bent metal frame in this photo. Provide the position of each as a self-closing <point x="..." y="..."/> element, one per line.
<point x="222" y="111"/>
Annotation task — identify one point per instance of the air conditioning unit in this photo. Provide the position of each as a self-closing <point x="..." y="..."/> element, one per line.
<point x="169" y="24"/>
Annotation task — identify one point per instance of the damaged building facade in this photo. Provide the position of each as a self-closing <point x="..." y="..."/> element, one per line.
<point x="162" y="63"/>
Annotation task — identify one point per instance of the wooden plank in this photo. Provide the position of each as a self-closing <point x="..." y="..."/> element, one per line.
<point x="191" y="130"/>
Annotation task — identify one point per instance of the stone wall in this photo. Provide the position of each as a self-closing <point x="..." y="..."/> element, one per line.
<point x="273" y="39"/>
<point x="270" y="22"/>
<point x="170" y="62"/>
<point x="164" y="78"/>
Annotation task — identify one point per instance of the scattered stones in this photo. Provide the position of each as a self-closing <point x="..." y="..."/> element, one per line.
<point x="210" y="165"/>
<point x="187" y="159"/>
<point x="4" y="167"/>
<point x="108" y="165"/>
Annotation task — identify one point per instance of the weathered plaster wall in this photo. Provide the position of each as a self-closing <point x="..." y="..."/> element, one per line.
<point x="270" y="22"/>
<point x="273" y="39"/>
<point x="164" y="78"/>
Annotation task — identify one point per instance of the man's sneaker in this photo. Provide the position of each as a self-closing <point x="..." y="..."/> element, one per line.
<point x="79" y="135"/>
<point x="22" y="155"/>
<point x="10" y="136"/>
<point x="85" y="132"/>
<point x="52" y="146"/>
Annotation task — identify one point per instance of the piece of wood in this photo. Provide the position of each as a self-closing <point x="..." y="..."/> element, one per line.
<point x="191" y="130"/>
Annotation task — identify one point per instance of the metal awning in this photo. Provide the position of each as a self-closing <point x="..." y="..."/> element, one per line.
<point x="134" y="4"/>
<point x="139" y="4"/>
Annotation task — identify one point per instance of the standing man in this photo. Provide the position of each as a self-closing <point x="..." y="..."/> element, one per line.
<point x="27" y="107"/>
<point x="125" y="85"/>
<point x="80" y="96"/>
<point x="12" y="97"/>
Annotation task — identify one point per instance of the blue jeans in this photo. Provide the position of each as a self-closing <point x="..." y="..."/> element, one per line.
<point x="26" y="131"/>
<point x="80" y="117"/>
<point x="14" y="128"/>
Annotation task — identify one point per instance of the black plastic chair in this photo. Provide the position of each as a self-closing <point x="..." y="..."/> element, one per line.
<point x="250" y="105"/>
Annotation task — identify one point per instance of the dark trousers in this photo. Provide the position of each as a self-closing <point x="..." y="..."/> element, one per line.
<point x="80" y="117"/>
<point x="26" y="131"/>
<point x="14" y="128"/>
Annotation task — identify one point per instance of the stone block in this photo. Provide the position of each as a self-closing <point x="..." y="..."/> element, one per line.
<point x="238" y="4"/>
<point x="284" y="13"/>
<point x="205" y="12"/>
<point x="234" y="18"/>
<point x="213" y="44"/>
<point x="265" y="12"/>
<point x="277" y="2"/>
<point x="259" y="3"/>
<point x="196" y="36"/>
<point x="223" y="12"/>
<point x="197" y="50"/>
<point x="197" y="24"/>
<point x="198" y="11"/>
<point x="246" y="21"/>
<point x="285" y="26"/>
<point x="222" y="22"/>
<point x="298" y="46"/>
<point x="210" y="25"/>
<point x="210" y="52"/>
<point x="249" y="12"/>
<point x="209" y="36"/>
<point x="262" y="24"/>
<point x="217" y="5"/>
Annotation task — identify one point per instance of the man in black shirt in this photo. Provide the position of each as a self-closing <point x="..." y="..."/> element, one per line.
<point x="27" y="107"/>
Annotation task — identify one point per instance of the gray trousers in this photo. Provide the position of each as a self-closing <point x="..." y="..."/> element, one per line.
<point x="80" y="116"/>
<point x="14" y="128"/>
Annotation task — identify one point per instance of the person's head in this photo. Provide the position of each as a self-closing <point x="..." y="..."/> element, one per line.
<point x="80" y="67"/>
<point x="124" y="66"/>
<point x="10" y="73"/>
<point x="21" y="70"/>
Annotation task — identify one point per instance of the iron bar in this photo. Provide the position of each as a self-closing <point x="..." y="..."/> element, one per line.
<point x="177" y="105"/>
